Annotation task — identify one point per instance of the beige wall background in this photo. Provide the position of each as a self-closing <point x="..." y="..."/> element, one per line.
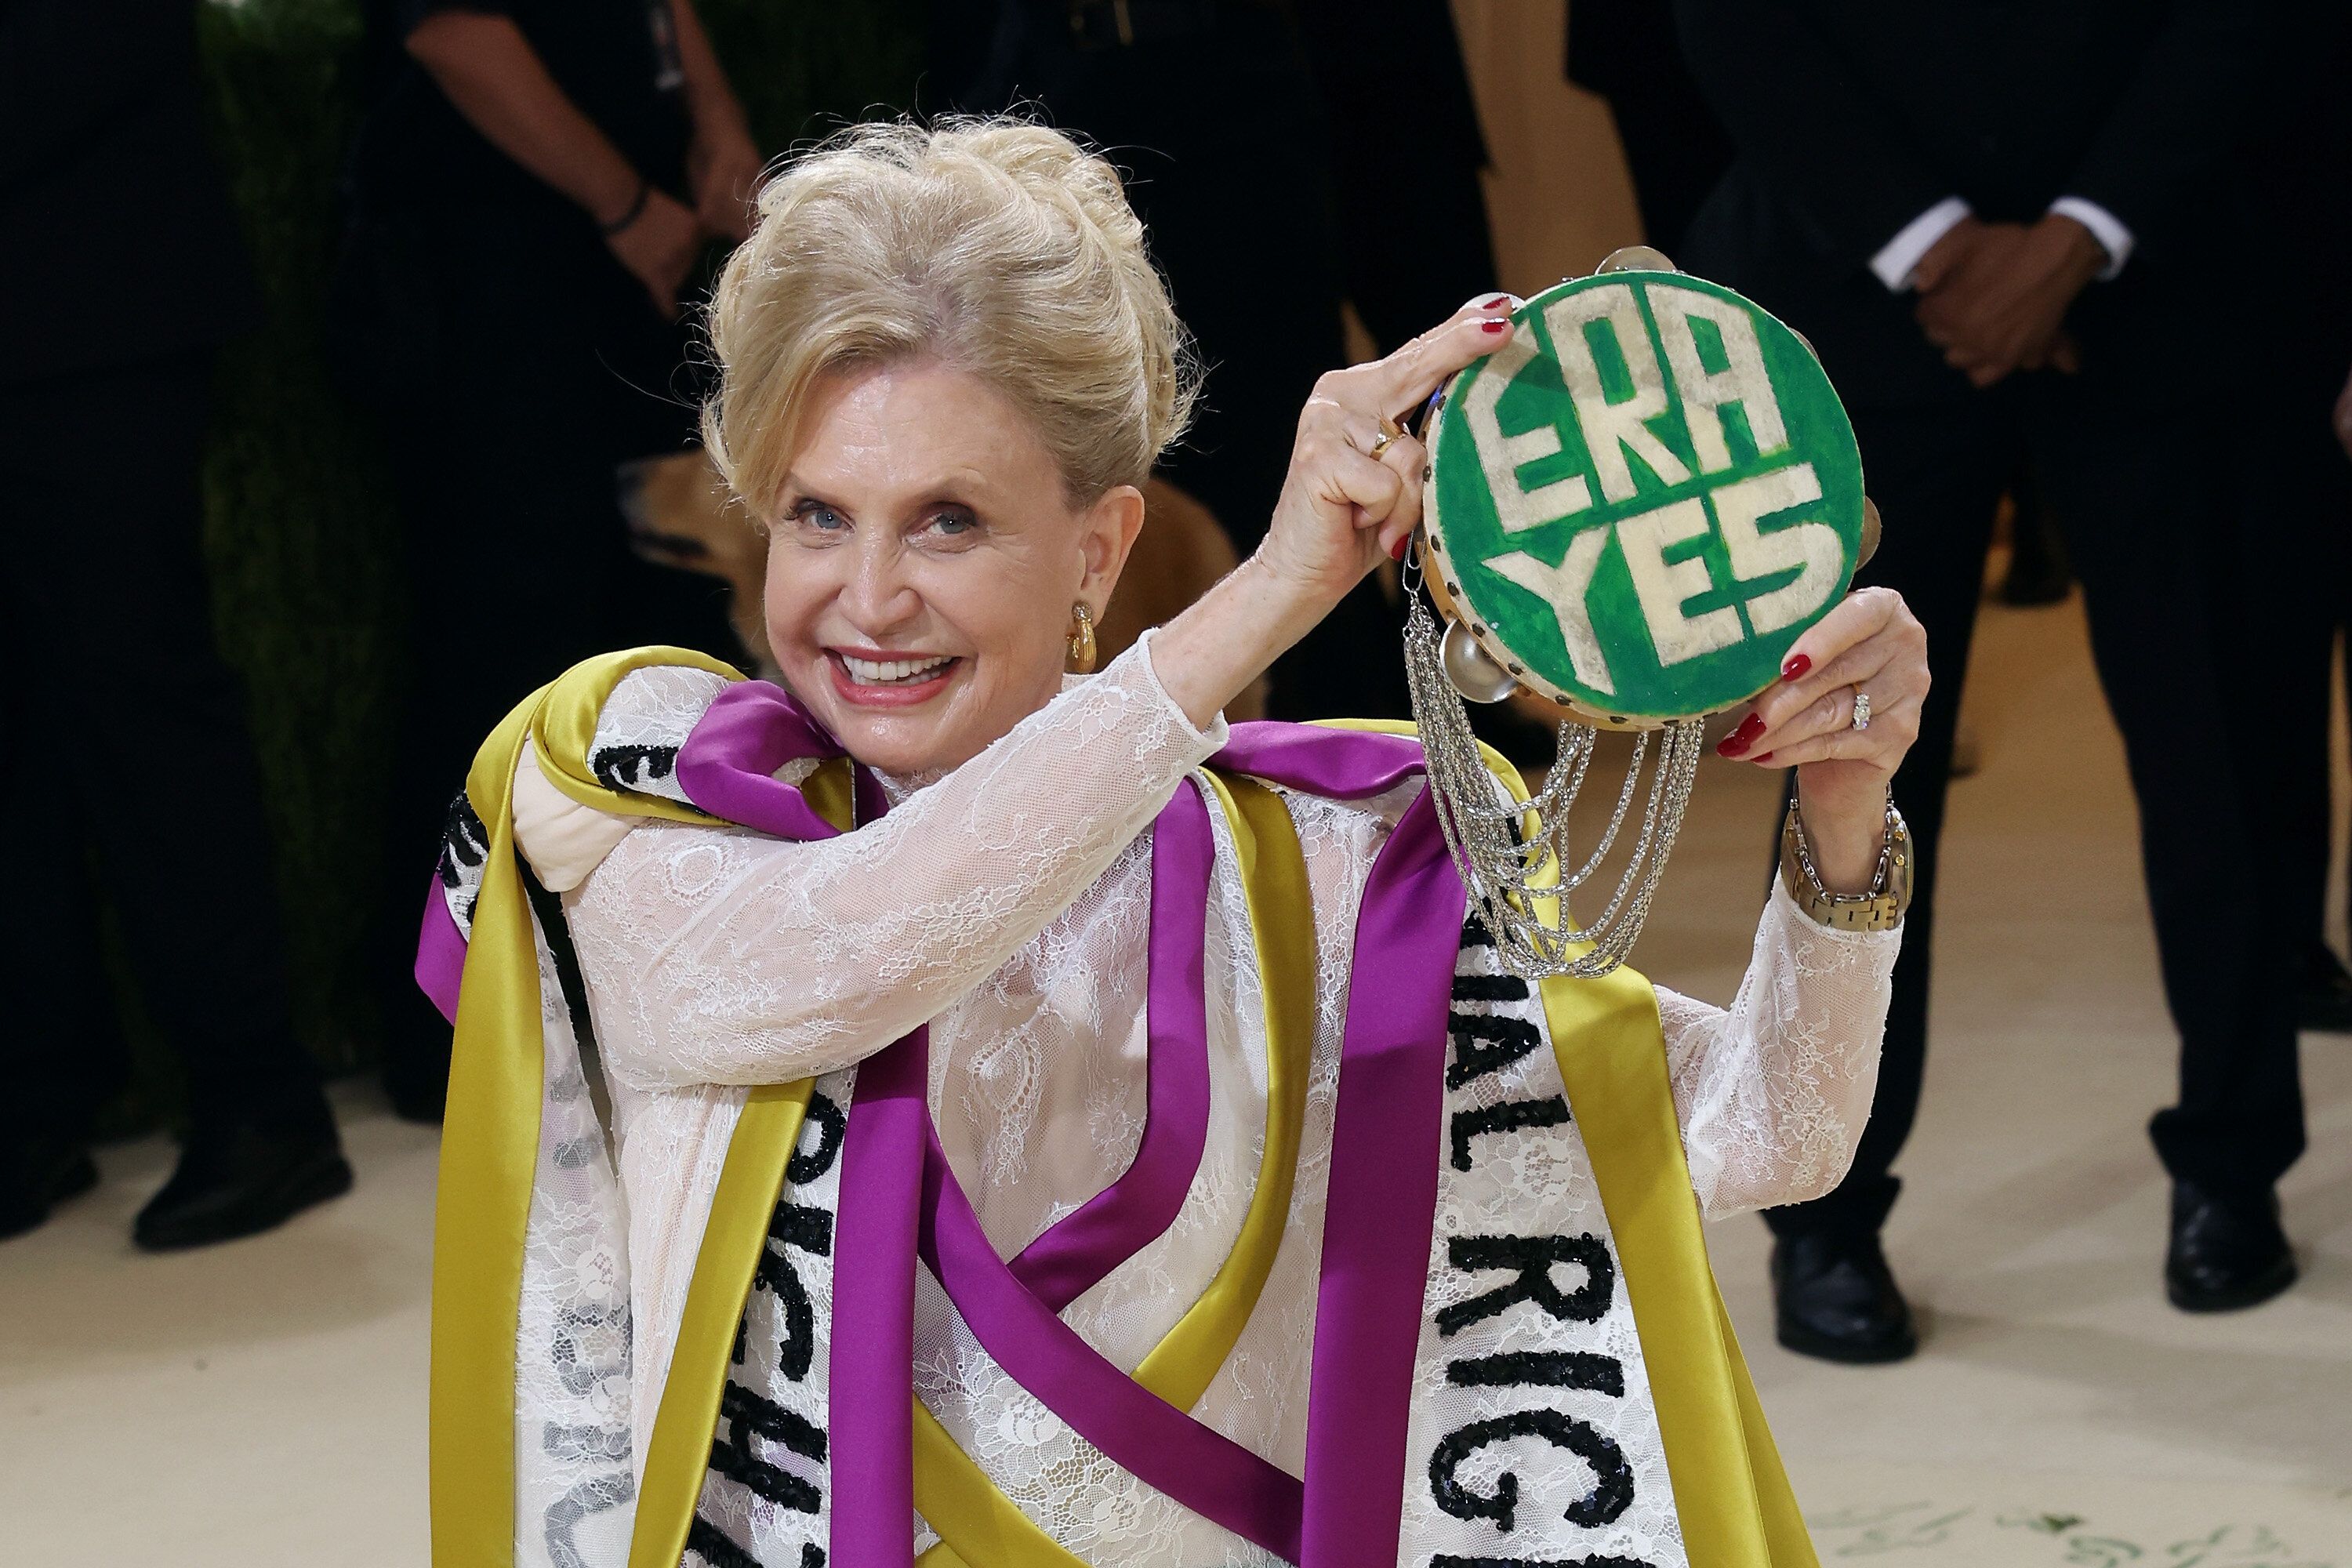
<point x="1557" y="196"/>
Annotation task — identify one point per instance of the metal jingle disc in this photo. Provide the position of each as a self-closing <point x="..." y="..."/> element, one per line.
<point x="1477" y="677"/>
<point x="1635" y="258"/>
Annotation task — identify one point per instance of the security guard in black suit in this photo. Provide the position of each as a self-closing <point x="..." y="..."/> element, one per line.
<point x="2002" y="226"/>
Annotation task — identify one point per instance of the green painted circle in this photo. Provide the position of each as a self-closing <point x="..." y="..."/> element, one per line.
<point x="1645" y="523"/>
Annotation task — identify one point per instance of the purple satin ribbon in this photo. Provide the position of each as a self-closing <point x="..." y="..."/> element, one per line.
<point x="726" y="768"/>
<point x="1199" y="1467"/>
<point x="899" y="1199"/>
<point x="1078" y="1250"/>
<point x="1385" y="1138"/>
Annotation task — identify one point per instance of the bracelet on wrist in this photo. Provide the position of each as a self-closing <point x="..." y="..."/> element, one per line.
<point x="636" y="209"/>
<point x="1878" y="908"/>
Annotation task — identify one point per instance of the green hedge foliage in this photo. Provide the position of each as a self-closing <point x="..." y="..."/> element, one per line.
<point x="301" y="532"/>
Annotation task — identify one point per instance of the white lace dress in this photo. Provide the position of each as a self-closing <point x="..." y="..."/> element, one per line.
<point x="1006" y="903"/>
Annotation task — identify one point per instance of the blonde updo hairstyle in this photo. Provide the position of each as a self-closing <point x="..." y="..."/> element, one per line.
<point x="995" y="246"/>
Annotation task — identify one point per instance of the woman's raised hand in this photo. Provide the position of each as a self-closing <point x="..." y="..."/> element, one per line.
<point x="1871" y="646"/>
<point x="1341" y="508"/>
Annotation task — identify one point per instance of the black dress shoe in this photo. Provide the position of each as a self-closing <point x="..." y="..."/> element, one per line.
<point x="37" y="1176"/>
<point x="2227" y="1251"/>
<point x="239" y="1179"/>
<point x="2325" y="1001"/>
<point x="1834" y="1298"/>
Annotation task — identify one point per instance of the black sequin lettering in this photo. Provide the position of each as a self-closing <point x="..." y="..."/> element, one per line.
<point x="1612" y="1486"/>
<point x="1489" y="988"/>
<point x="628" y="767"/>
<point x="464" y="841"/>
<point x="1540" y="1369"/>
<point x="1511" y="1038"/>
<point x="743" y="1414"/>
<point x="1508" y="1117"/>
<point x="1533" y="1257"/>
<point x="811" y="1230"/>
<point x="796" y="1224"/>
<point x="807" y="1166"/>
<point x="1475" y="934"/>
<point x="796" y="1352"/>
<point x="707" y="1541"/>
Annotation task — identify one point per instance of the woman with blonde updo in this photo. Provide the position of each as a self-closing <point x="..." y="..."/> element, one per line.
<point x="969" y="1106"/>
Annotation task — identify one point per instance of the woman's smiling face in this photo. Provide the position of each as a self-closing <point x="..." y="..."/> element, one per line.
<point x="923" y="563"/>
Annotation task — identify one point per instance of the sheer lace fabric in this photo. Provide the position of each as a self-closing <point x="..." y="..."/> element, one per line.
<point x="1007" y="903"/>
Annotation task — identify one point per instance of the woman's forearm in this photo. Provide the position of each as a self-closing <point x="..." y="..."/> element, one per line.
<point x="494" y="78"/>
<point x="1773" y="1092"/>
<point x="711" y="101"/>
<point x="777" y="961"/>
<point x="1208" y="656"/>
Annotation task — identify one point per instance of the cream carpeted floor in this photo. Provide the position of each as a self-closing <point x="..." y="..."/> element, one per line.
<point x="263" y="1403"/>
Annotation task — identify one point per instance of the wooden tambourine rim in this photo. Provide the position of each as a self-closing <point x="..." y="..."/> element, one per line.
<point x="1446" y="593"/>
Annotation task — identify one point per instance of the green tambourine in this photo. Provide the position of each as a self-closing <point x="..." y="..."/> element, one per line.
<point x="1636" y="505"/>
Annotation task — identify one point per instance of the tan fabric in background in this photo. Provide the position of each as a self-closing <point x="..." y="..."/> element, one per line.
<point x="1557" y="195"/>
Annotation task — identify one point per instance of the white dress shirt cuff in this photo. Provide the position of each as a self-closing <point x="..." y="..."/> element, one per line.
<point x="1899" y="257"/>
<point x="2105" y="227"/>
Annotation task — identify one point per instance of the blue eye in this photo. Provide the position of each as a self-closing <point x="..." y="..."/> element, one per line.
<point x="818" y="515"/>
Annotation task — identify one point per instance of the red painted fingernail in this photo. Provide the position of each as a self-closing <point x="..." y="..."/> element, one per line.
<point x="1396" y="551"/>
<point x="1796" y="666"/>
<point x="1496" y="303"/>
<point x="1731" y="745"/>
<point x="1494" y="326"/>
<point x="1738" y="740"/>
<point x="1761" y="757"/>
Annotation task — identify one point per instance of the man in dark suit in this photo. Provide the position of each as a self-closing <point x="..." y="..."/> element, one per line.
<point x="130" y="752"/>
<point x="2007" y="230"/>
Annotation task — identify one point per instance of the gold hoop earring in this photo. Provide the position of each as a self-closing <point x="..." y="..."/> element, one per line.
<point x="1081" y="640"/>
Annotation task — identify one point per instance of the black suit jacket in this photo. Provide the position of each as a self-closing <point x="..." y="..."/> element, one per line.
<point x="1853" y="117"/>
<point x="117" y="242"/>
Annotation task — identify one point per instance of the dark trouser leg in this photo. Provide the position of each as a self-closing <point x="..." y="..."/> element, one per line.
<point x="1936" y="476"/>
<point x="2277" y="612"/>
<point x="2148" y="522"/>
<point x="150" y="763"/>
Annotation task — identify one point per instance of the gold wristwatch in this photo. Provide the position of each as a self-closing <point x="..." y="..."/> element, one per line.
<point x="1880" y="909"/>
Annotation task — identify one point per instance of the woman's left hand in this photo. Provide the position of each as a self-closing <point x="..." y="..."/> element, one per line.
<point x="1871" y="645"/>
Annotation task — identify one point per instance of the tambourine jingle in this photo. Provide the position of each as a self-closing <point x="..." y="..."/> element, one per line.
<point x="1645" y="497"/>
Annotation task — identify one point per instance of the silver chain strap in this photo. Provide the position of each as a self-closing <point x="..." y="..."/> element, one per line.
<point x="1504" y="867"/>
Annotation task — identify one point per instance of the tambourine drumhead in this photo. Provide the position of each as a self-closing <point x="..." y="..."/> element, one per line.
<point x="1639" y="503"/>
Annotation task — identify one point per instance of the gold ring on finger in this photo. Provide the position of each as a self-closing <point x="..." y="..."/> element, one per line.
<point x="1861" y="709"/>
<point x="1385" y="439"/>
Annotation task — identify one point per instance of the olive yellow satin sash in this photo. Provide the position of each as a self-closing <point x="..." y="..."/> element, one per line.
<point x="490" y="1138"/>
<point x="1731" y="1492"/>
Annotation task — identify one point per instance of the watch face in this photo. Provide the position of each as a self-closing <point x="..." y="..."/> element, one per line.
<point x="1640" y="501"/>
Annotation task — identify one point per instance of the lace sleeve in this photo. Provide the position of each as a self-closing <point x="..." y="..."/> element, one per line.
<point x="1773" y="1093"/>
<point x="719" y="956"/>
